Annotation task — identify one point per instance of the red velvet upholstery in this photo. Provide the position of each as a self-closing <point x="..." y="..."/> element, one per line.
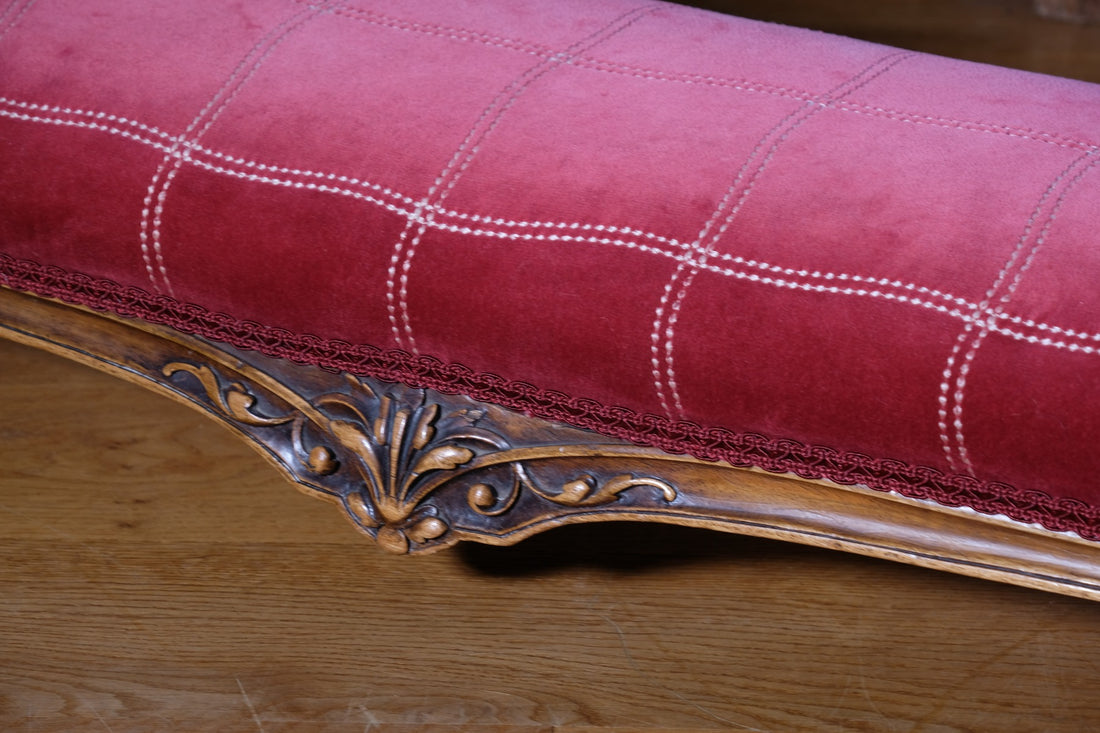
<point x="716" y="236"/>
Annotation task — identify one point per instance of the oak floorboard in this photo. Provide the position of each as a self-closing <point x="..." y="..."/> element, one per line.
<point x="157" y="574"/>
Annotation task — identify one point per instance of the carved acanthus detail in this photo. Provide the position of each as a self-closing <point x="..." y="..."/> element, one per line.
<point x="392" y="457"/>
<point x="397" y="451"/>
<point x="585" y="491"/>
<point x="234" y="400"/>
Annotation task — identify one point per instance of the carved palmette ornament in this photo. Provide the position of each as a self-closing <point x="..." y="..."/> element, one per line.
<point x="419" y="470"/>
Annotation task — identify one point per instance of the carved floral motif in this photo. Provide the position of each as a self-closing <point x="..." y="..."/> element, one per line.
<point x="403" y="449"/>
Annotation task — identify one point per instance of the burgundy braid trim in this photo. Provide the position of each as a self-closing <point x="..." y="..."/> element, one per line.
<point x="711" y="444"/>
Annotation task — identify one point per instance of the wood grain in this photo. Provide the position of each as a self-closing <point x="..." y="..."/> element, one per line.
<point x="156" y="574"/>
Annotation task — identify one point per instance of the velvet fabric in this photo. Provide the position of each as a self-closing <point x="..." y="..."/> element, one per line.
<point x="720" y="237"/>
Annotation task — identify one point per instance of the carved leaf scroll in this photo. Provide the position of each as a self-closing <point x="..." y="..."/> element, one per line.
<point x="234" y="400"/>
<point x="393" y="457"/>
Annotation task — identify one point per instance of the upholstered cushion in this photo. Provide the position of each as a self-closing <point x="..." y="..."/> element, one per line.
<point x="719" y="237"/>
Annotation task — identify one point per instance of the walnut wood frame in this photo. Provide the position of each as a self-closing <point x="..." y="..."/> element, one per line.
<point x="419" y="471"/>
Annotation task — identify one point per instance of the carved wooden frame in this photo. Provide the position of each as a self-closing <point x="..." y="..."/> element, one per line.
<point x="419" y="471"/>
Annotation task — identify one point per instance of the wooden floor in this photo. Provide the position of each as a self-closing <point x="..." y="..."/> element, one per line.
<point x="156" y="574"/>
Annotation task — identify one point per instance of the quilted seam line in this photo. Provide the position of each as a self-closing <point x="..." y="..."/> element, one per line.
<point x="13" y="13"/>
<point x="743" y="184"/>
<point x="746" y="450"/>
<point x="397" y="300"/>
<point x="402" y="205"/>
<point x="154" y="204"/>
<point x="470" y="35"/>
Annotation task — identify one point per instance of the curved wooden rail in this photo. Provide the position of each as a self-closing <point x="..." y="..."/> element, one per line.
<point x="419" y="471"/>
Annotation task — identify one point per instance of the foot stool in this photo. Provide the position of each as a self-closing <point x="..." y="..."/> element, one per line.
<point x="471" y="271"/>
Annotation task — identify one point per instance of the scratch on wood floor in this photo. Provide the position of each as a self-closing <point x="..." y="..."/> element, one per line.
<point x="367" y="716"/>
<point x="371" y="720"/>
<point x="251" y="708"/>
<point x="101" y="720"/>
<point x="865" y="691"/>
<point x="674" y="693"/>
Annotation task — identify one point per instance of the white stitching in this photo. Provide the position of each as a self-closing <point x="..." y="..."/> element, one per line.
<point x="1004" y="300"/>
<point x="1029" y="323"/>
<point x="641" y="72"/>
<point x="668" y="374"/>
<point x="987" y="320"/>
<point x="397" y="301"/>
<point x="160" y="194"/>
<point x="371" y="17"/>
<point x="198" y="151"/>
<point x="745" y="85"/>
<point x="438" y="211"/>
<point x="838" y="290"/>
<point x="56" y="109"/>
<point x="162" y="182"/>
<point x="979" y="315"/>
<point x="788" y="125"/>
<point x="1039" y="136"/>
<point x="17" y="17"/>
<point x="463" y="157"/>
<point x="11" y="5"/>
<point x="981" y="308"/>
<point x="86" y="125"/>
<point x="842" y="276"/>
<point x="963" y="310"/>
<point x="1092" y="350"/>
